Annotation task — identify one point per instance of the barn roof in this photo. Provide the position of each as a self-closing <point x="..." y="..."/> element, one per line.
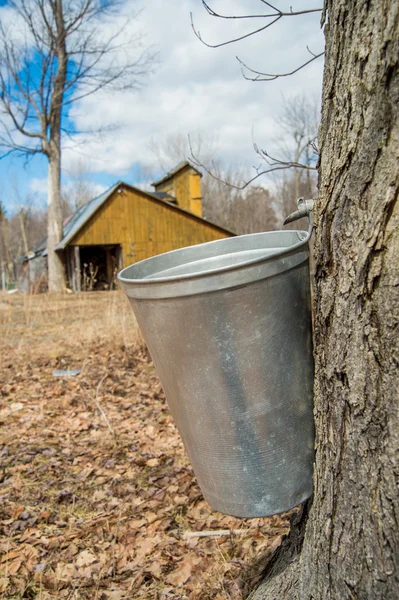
<point x="173" y="172"/>
<point x="85" y="212"/>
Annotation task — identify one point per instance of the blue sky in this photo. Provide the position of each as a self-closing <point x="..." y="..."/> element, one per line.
<point x="194" y="89"/>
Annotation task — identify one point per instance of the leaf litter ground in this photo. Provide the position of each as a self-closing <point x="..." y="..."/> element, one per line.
<point x="97" y="498"/>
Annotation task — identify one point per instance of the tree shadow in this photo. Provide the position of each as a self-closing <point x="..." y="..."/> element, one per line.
<point x="275" y="560"/>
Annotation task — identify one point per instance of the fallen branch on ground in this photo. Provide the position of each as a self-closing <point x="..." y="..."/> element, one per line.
<point x="215" y="533"/>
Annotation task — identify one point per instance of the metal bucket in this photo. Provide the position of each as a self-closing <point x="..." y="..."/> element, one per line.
<point x="228" y="325"/>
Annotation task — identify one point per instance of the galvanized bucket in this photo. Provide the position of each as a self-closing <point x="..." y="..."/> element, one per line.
<point x="228" y="325"/>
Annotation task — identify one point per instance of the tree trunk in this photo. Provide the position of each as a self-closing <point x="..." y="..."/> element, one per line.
<point x="348" y="545"/>
<point x="21" y="217"/>
<point x="56" y="272"/>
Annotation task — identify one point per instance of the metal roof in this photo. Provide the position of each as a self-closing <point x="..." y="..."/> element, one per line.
<point x="164" y="196"/>
<point x="82" y="215"/>
<point x="179" y="167"/>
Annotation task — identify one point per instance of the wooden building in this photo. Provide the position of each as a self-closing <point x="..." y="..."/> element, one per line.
<point x="182" y="186"/>
<point x="125" y="224"/>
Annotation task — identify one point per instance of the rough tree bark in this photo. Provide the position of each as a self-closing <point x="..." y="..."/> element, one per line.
<point x="346" y="545"/>
<point x="56" y="273"/>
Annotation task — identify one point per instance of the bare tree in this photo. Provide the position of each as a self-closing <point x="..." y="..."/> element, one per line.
<point x="54" y="53"/>
<point x="241" y="210"/>
<point x="299" y="122"/>
<point x="26" y="229"/>
<point x="22" y="204"/>
<point x="223" y="202"/>
<point x="78" y="189"/>
<point x="176" y="147"/>
<point x="23" y="228"/>
<point x="254" y="211"/>
<point x="297" y="146"/>
<point x="4" y="248"/>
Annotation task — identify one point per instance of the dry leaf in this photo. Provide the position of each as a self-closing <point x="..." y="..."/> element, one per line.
<point x="156" y="568"/>
<point x="11" y="555"/>
<point x="172" y="489"/>
<point x="31" y="556"/>
<point x="116" y="595"/>
<point x="3" y="583"/>
<point x="13" y="567"/>
<point x="145" y="546"/>
<point x="64" y="571"/>
<point x="180" y="500"/>
<point x="151" y="517"/>
<point x="137" y="523"/>
<point x="85" y="558"/>
<point x="99" y="495"/>
<point x="102" y="514"/>
<point x="183" y="572"/>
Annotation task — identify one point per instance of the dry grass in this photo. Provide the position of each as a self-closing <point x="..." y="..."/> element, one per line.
<point x="46" y="320"/>
<point x="97" y="494"/>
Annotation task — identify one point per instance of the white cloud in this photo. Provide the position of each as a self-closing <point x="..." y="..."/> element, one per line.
<point x="197" y="88"/>
<point x="94" y="189"/>
<point x="38" y="186"/>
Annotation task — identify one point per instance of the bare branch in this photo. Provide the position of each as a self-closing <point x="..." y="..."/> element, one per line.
<point x="276" y="166"/>
<point x="275" y="16"/>
<point x="271" y="76"/>
<point x="282" y="164"/>
<point x="291" y="13"/>
<point x="234" y="40"/>
<point x="312" y="53"/>
<point x="100" y="408"/>
<point x="213" y="13"/>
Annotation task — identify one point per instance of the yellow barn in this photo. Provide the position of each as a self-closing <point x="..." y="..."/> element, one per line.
<point x="125" y="224"/>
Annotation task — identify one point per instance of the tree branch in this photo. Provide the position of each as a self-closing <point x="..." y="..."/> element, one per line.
<point x="274" y="164"/>
<point x="271" y="76"/>
<point x="276" y="15"/>
<point x="234" y="40"/>
<point x="291" y="13"/>
<point x="282" y="164"/>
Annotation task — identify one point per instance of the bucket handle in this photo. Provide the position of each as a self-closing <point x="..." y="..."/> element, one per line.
<point x="305" y="209"/>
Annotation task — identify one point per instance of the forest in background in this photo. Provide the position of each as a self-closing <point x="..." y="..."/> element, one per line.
<point x="230" y="198"/>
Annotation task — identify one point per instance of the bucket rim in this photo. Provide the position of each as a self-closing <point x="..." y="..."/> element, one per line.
<point x="152" y="281"/>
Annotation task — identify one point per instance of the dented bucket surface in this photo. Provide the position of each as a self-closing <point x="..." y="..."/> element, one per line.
<point x="228" y="325"/>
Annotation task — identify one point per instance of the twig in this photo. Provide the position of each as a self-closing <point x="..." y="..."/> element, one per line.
<point x="283" y="164"/>
<point x="97" y="403"/>
<point x="187" y="535"/>
<point x="275" y="16"/>
<point x="272" y="76"/>
<point x="274" y="165"/>
<point x="291" y="13"/>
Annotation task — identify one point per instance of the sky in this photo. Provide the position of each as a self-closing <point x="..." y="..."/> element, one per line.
<point x="193" y="90"/>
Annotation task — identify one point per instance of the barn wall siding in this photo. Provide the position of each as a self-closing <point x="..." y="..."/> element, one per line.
<point x="143" y="227"/>
<point x="185" y="186"/>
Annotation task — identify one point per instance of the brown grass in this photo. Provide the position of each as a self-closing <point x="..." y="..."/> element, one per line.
<point x="45" y="320"/>
<point x="96" y="491"/>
